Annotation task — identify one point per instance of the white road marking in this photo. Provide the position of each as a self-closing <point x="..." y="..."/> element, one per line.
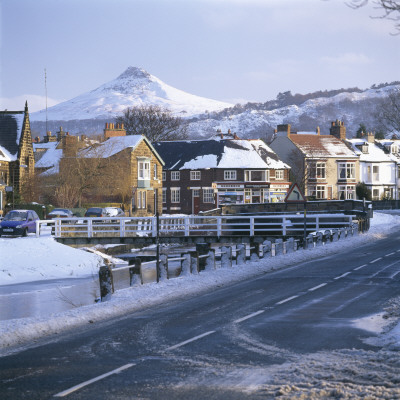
<point x="361" y="266"/>
<point x="248" y="316"/>
<point x="288" y="299"/>
<point x="317" y="287"/>
<point x="189" y="341"/>
<point x="98" y="378"/>
<point x="396" y="273"/>
<point x="390" y="254"/>
<point x="374" y="261"/>
<point x="342" y="276"/>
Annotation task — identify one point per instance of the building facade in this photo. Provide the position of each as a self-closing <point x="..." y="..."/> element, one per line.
<point x="201" y="175"/>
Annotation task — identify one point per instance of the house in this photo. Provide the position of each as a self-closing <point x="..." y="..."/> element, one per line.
<point x="17" y="162"/>
<point x="201" y="175"/>
<point x="322" y="165"/>
<point x="123" y="168"/>
<point x="378" y="170"/>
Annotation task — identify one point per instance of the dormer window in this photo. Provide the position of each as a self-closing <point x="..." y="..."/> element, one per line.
<point x="364" y="148"/>
<point x="394" y="149"/>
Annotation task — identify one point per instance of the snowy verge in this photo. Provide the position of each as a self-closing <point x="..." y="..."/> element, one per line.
<point x="18" y="332"/>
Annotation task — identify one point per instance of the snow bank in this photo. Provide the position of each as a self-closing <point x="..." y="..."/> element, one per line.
<point x="44" y="255"/>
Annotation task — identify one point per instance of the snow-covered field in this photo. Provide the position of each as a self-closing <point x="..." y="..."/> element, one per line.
<point x="321" y="375"/>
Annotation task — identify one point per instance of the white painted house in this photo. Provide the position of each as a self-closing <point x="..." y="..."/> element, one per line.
<point x="378" y="169"/>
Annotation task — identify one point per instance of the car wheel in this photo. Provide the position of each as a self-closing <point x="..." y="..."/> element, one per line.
<point x="25" y="233"/>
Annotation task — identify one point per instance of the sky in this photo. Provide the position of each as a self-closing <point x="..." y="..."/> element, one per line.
<point x="229" y="50"/>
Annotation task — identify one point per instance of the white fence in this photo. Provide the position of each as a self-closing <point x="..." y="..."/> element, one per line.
<point x="237" y="225"/>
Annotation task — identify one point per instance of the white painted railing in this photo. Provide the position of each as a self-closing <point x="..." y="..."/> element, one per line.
<point x="227" y="225"/>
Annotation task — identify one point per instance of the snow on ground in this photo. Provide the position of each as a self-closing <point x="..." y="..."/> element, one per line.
<point x="43" y="258"/>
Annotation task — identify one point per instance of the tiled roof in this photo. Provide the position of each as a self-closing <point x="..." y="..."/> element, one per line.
<point x="10" y="132"/>
<point x="322" y="146"/>
<point x="228" y="153"/>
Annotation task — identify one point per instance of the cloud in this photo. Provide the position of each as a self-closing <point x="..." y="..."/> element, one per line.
<point x="35" y="102"/>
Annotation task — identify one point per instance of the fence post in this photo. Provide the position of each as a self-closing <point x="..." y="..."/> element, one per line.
<point x="135" y="273"/>
<point x="226" y="256"/>
<point x="289" y="245"/>
<point x="319" y="239"/>
<point x="267" y="247"/>
<point x="202" y="249"/>
<point x="194" y="262"/>
<point x="240" y="254"/>
<point x="90" y="227"/>
<point x="105" y="280"/>
<point x="210" y="260"/>
<point x="186" y="264"/>
<point x="164" y="267"/>
<point x="278" y="246"/>
<point x="187" y="226"/>
<point x="219" y="226"/>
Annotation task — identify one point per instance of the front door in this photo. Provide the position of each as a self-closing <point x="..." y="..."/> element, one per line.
<point x="195" y="201"/>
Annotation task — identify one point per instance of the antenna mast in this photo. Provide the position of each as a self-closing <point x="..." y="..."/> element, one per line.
<point x="45" y="87"/>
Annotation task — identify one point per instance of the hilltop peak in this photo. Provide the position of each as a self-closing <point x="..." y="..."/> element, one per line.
<point x="134" y="72"/>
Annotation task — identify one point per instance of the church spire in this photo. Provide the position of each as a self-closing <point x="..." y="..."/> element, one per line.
<point x="26" y="106"/>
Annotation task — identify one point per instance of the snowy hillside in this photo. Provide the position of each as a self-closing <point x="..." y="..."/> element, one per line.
<point x="133" y="87"/>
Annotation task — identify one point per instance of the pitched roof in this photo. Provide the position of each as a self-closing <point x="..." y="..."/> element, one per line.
<point x="10" y="132"/>
<point x="50" y="158"/>
<point x="114" y="145"/>
<point x="375" y="153"/>
<point x="322" y="146"/>
<point x="213" y="153"/>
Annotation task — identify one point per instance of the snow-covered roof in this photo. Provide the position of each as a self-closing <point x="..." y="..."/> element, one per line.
<point x="10" y="132"/>
<point x="322" y="146"/>
<point x="216" y="153"/>
<point x="375" y="153"/>
<point x="4" y="154"/>
<point x="51" y="156"/>
<point x="115" y="145"/>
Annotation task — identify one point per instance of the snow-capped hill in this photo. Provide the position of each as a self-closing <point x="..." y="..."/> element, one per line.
<point x="133" y="87"/>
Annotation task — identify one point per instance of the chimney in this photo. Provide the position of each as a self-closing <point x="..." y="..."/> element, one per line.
<point x="370" y="137"/>
<point x="283" y="130"/>
<point x="112" y="130"/>
<point x="318" y="131"/>
<point x="338" y="130"/>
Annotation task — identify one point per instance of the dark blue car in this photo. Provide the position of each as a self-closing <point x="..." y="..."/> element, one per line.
<point x="18" y="223"/>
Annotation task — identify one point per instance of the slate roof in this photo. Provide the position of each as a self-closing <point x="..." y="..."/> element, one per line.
<point x="10" y="133"/>
<point x="322" y="146"/>
<point x="213" y="153"/>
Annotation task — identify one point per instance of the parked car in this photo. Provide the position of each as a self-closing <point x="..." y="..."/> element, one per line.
<point x="60" y="213"/>
<point x="19" y="223"/>
<point x="96" y="212"/>
<point x="114" y="212"/>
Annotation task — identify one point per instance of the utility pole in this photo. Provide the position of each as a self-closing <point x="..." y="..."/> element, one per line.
<point x="45" y="88"/>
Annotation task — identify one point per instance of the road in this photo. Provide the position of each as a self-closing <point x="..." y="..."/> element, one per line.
<point x="285" y="333"/>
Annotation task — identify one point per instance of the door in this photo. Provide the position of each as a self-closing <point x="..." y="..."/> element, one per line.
<point x="195" y="201"/>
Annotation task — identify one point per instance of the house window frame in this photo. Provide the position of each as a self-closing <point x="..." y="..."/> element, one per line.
<point x="249" y="172"/>
<point x="348" y="169"/>
<point x="230" y="175"/>
<point x="141" y="199"/>
<point x="195" y="175"/>
<point x="348" y="191"/>
<point x="175" y="195"/>
<point x="155" y="171"/>
<point x="175" y="175"/>
<point x="164" y="176"/>
<point x="279" y="174"/>
<point x="208" y="195"/>
<point x="164" y="195"/>
<point x="143" y="169"/>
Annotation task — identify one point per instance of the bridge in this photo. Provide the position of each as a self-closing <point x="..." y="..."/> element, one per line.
<point x="191" y="229"/>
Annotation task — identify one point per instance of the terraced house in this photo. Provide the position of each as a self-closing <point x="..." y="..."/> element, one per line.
<point x="201" y="175"/>
<point x="323" y="165"/>
<point x="17" y="164"/>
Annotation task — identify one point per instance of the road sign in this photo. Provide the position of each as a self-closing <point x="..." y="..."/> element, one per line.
<point x="295" y="195"/>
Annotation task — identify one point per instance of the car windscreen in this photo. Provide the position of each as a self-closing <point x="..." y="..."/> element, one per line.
<point x="16" y="216"/>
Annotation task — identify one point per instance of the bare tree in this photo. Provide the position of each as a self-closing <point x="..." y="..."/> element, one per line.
<point x="391" y="9"/>
<point x="154" y="122"/>
<point x="388" y="113"/>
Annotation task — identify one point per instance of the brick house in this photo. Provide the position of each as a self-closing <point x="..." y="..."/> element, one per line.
<point x="201" y="175"/>
<point x="17" y="164"/>
<point x="324" y="166"/>
<point x="133" y="166"/>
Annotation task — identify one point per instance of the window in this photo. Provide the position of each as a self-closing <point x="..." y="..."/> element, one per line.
<point x="195" y="175"/>
<point x="347" y="171"/>
<point x="175" y="175"/>
<point x="164" y="176"/>
<point x="369" y="173"/>
<point x="256" y="176"/>
<point x="279" y="174"/>
<point x="141" y="201"/>
<point x="196" y="192"/>
<point x="375" y="194"/>
<point x="155" y="172"/>
<point x="175" y="195"/>
<point x="346" y="193"/>
<point x="375" y="173"/>
<point x="144" y="170"/>
<point x="229" y="175"/>
<point x="318" y="170"/>
<point x="320" y="192"/>
<point x="164" y="195"/>
<point x="208" y="195"/>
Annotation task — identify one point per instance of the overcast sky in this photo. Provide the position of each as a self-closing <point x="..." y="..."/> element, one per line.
<point x="229" y="50"/>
